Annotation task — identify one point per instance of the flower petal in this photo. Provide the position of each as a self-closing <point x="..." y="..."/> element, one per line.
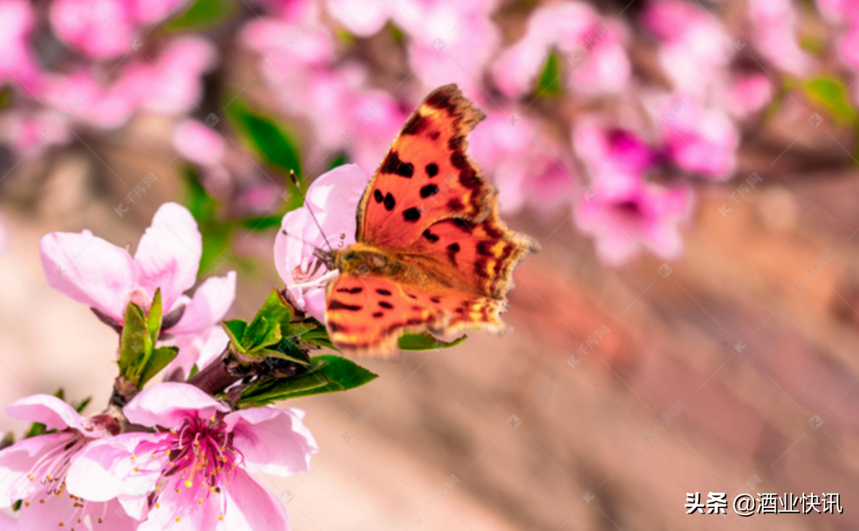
<point x="169" y="404"/>
<point x="198" y="349"/>
<point x="47" y="409"/>
<point x="105" y="469"/>
<point x="169" y="253"/>
<point x="272" y="440"/>
<point x="19" y="459"/>
<point x="89" y="270"/>
<point x="252" y="506"/>
<point x="209" y="304"/>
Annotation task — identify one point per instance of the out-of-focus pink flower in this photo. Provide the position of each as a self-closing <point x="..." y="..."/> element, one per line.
<point x="774" y="35"/>
<point x="198" y="143"/>
<point x="524" y="164"/>
<point x="700" y="140"/>
<point x="591" y="49"/>
<point x="624" y="214"/>
<point x="86" y="101"/>
<point x="17" y="64"/>
<point x="29" y="133"/>
<point x="295" y="10"/>
<point x="693" y="45"/>
<point x="172" y="84"/>
<point x="608" y="152"/>
<point x="35" y="470"/>
<point x="333" y="199"/>
<point x="193" y="472"/>
<point x="747" y="94"/>
<point x="106" y="28"/>
<point x="97" y="273"/>
<point x="335" y="99"/>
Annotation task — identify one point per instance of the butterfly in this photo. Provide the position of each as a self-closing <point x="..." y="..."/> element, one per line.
<point x="431" y="253"/>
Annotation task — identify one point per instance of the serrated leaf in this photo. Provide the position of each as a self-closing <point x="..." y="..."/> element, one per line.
<point x="318" y="336"/>
<point x="425" y="342"/>
<point x="157" y="361"/>
<point x="328" y="374"/>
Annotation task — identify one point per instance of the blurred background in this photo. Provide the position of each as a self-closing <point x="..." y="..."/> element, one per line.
<point x="689" y="168"/>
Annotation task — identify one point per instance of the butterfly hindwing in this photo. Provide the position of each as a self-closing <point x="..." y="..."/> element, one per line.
<point x="426" y="175"/>
<point x="367" y="314"/>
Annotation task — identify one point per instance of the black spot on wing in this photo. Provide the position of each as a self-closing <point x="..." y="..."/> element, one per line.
<point x="394" y="165"/>
<point x="452" y="250"/>
<point x="337" y="305"/>
<point x="455" y="204"/>
<point x="412" y="214"/>
<point x="432" y="169"/>
<point x="432" y="238"/>
<point x="415" y="125"/>
<point x="390" y="203"/>
<point x="377" y="195"/>
<point x="384" y="292"/>
<point x="387" y="305"/>
<point x="350" y="290"/>
<point x="429" y="191"/>
<point x="378" y="315"/>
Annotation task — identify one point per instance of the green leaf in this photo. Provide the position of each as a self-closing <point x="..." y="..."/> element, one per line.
<point x="296" y="329"/>
<point x="549" y="82"/>
<point x="153" y="320"/>
<point x="260" y="334"/>
<point x="425" y="342"/>
<point x="235" y="328"/>
<point x="275" y="309"/>
<point x="832" y="95"/>
<point x="318" y="336"/>
<point x="194" y="371"/>
<point x="157" y="361"/>
<point x="329" y="374"/>
<point x="80" y="406"/>
<point x="272" y="142"/>
<point x="36" y="429"/>
<point x="201" y="14"/>
<point x="135" y="344"/>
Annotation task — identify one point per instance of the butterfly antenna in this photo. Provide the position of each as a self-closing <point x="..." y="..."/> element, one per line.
<point x="310" y="210"/>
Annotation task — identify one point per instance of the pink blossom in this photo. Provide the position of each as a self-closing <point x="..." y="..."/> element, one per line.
<point x="333" y="199"/>
<point x="106" y="28"/>
<point x="35" y="470"/>
<point x="31" y="132"/>
<point x="87" y="101"/>
<point x="693" y="44"/>
<point x="171" y="84"/>
<point x="747" y="94"/>
<point x="194" y="473"/>
<point x="198" y="349"/>
<point x="625" y="215"/>
<point x="291" y="10"/>
<point x="607" y="152"/>
<point x="523" y="162"/>
<point x="698" y="139"/>
<point x="96" y="273"/>
<point x="774" y="35"/>
<point x="346" y="115"/>
<point x="198" y="143"/>
<point x="591" y="50"/>
<point x="17" y="64"/>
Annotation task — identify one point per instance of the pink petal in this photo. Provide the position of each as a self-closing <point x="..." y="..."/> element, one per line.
<point x="252" y="506"/>
<point x="64" y="512"/>
<point x="89" y="270"/>
<point x="104" y="30"/>
<point x="210" y="303"/>
<point x="198" y="349"/>
<point x="54" y="413"/>
<point x="273" y="441"/>
<point x="19" y="459"/>
<point x="198" y="143"/>
<point x="361" y="18"/>
<point x="169" y="253"/>
<point x="169" y="404"/>
<point x="104" y="469"/>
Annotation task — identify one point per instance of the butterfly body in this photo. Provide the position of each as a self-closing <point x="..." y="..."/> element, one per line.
<point x="431" y="252"/>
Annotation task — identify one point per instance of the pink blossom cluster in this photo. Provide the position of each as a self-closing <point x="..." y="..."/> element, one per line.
<point x="188" y="462"/>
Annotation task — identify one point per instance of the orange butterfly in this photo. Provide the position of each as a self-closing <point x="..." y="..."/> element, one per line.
<point x="431" y="253"/>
